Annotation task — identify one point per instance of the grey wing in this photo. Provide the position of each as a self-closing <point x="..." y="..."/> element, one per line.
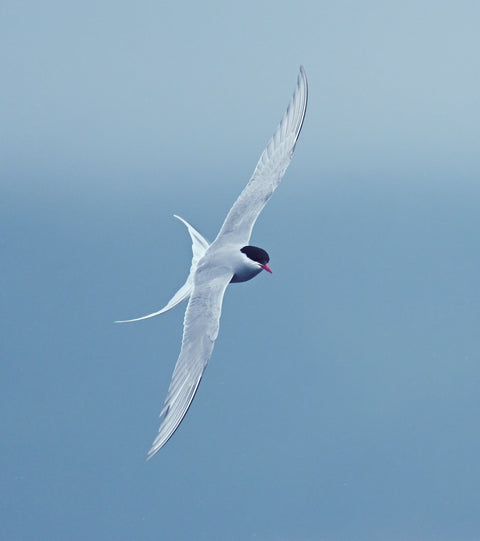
<point x="200" y="330"/>
<point x="269" y="171"/>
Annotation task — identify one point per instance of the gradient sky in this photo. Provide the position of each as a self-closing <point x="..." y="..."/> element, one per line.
<point x="342" y="399"/>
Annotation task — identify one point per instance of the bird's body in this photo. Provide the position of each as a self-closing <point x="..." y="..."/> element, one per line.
<point x="229" y="258"/>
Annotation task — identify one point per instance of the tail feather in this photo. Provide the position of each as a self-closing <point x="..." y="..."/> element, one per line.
<point x="199" y="247"/>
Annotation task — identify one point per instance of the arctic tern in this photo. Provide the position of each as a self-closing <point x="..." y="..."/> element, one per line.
<point x="229" y="258"/>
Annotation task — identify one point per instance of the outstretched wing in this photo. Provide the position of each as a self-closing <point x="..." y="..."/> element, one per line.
<point x="269" y="171"/>
<point x="200" y="330"/>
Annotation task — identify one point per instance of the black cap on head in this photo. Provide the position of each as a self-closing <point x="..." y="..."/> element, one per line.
<point x="256" y="254"/>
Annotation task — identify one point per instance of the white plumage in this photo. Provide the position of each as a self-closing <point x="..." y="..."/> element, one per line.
<point x="214" y="265"/>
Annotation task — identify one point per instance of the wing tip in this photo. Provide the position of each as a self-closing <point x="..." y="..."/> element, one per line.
<point x="159" y="442"/>
<point x="302" y="88"/>
<point x="153" y="451"/>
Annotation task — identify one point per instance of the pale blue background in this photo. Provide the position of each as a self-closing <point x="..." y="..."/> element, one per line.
<point x="342" y="400"/>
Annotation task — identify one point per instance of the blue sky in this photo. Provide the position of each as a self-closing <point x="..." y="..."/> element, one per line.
<point x="341" y="401"/>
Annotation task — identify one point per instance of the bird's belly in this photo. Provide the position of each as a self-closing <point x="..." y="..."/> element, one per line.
<point x="244" y="275"/>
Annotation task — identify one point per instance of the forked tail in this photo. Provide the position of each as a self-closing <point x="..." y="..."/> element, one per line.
<point x="199" y="247"/>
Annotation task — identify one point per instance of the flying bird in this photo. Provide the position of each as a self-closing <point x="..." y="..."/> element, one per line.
<point x="229" y="258"/>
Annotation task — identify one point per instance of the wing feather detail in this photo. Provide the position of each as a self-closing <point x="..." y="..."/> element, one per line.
<point x="269" y="171"/>
<point x="200" y="330"/>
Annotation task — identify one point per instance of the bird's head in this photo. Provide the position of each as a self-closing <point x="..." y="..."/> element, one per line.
<point x="258" y="256"/>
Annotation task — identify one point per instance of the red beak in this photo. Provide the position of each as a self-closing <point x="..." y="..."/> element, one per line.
<point x="267" y="268"/>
